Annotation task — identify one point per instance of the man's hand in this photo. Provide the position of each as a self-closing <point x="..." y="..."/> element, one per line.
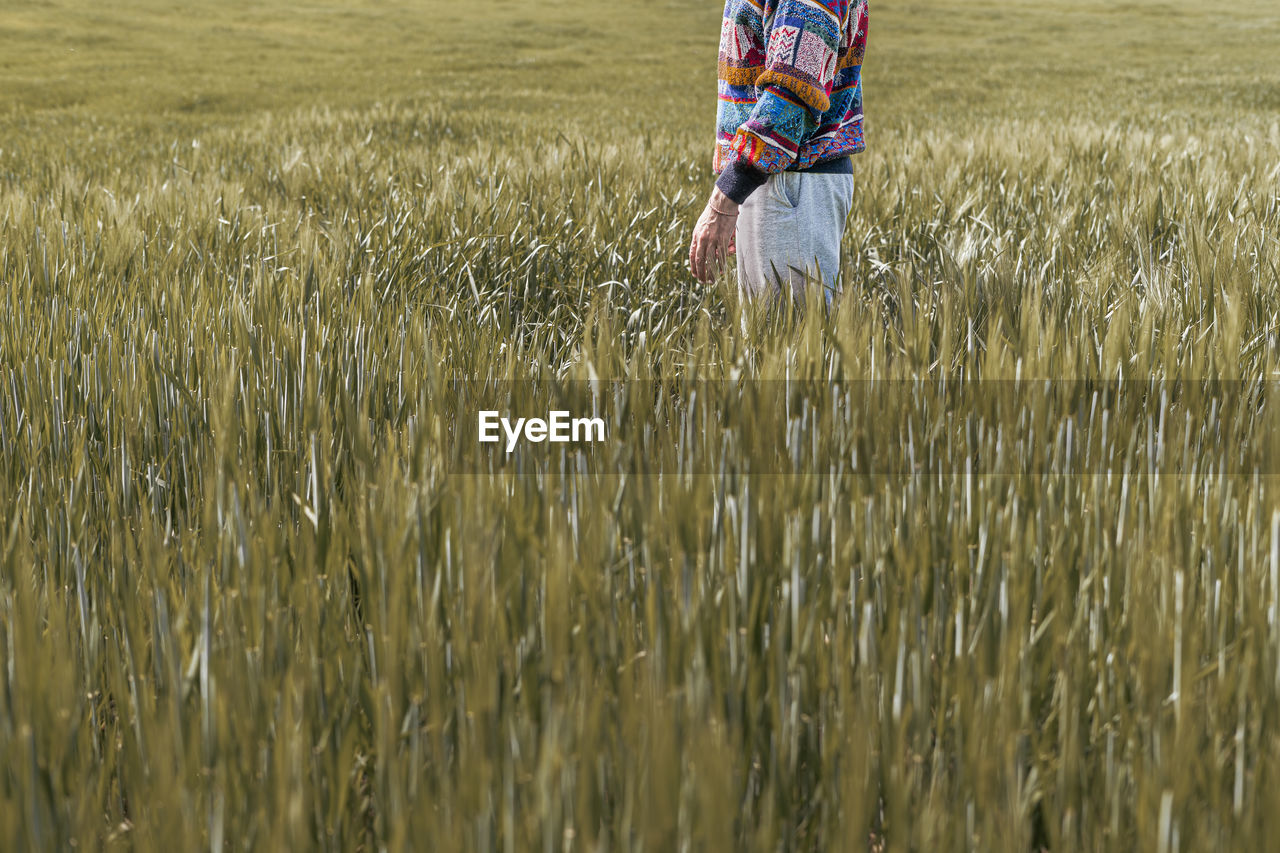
<point x="713" y="237"/>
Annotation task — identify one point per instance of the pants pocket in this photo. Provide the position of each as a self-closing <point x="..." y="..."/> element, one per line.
<point x="786" y="189"/>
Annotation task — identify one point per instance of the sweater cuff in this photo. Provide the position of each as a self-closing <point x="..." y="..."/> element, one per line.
<point x="739" y="179"/>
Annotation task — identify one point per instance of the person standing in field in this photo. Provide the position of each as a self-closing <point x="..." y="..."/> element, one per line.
<point x="788" y="119"/>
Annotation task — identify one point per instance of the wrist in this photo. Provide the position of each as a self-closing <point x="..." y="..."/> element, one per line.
<point x="722" y="204"/>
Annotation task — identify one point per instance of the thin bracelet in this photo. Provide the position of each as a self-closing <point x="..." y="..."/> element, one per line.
<point x="721" y="212"/>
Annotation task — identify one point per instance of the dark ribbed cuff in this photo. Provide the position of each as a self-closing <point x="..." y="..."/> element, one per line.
<point x="739" y="180"/>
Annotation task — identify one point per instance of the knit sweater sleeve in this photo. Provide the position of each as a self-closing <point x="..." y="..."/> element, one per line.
<point x="802" y="42"/>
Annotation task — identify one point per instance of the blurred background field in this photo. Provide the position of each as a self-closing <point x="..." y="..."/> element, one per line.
<point x="250" y="597"/>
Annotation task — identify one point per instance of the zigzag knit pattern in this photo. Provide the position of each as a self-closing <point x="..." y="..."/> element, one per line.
<point x="790" y="82"/>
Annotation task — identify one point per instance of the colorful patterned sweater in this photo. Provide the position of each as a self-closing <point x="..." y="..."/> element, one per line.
<point x="790" y="83"/>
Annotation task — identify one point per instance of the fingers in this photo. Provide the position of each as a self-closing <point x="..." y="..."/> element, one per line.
<point x="695" y="257"/>
<point x="710" y="262"/>
<point x="699" y="256"/>
<point x="697" y="248"/>
<point x="706" y="260"/>
<point x="710" y="248"/>
<point x="719" y="255"/>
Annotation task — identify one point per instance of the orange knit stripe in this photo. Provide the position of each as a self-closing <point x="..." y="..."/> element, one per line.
<point x="813" y="97"/>
<point x="737" y="76"/>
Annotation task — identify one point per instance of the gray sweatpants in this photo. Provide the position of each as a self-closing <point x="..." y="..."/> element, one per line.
<point x="790" y="226"/>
